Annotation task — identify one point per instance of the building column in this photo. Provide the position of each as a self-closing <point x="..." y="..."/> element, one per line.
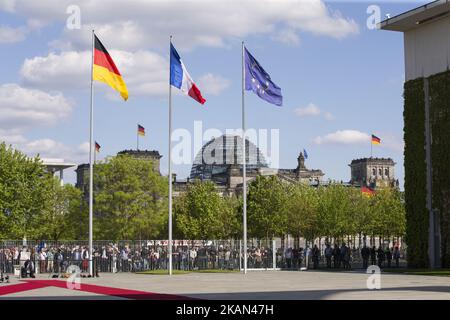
<point x="61" y="177"/>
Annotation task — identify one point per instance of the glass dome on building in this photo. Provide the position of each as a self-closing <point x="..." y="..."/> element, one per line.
<point x="218" y="154"/>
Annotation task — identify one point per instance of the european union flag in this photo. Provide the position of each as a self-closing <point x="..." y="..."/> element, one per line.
<point x="258" y="80"/>
<point x="305" y="154"/>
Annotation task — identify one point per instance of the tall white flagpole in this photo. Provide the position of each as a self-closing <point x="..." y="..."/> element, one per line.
<point x="244" y="169"/>
<point x="169" y="251"/>
<point x="91" y="160"/>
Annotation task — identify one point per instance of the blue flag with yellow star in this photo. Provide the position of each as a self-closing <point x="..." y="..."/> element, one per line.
<point x="258" y="80"/>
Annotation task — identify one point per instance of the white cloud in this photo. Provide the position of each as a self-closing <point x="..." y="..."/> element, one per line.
<point x="12" y="35"/>
<point x="311" y="110"/>
<point x="144" y="72"/>
<point x="287" y="36"/>
<point x="212" y="84"/>
<point x="11" y="137"/>
<point x="22" y="108"/>
<point x="68" y="69"/>
<point x="193" y="23"/>
<point x="46" y="147"/>
<point x="328" y="116"/>
<point x="84" y="148"/>
<point x="391" y="141"/>
<point x="7" y="5"/>
<point x="343" y="137"/>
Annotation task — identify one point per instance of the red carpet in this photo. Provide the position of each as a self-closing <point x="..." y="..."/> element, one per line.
<point x="108" y="291"/>
<point x="25" y="286"/>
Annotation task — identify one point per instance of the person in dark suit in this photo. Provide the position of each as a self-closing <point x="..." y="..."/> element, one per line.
<point x="365" y="254"/>
<point x="336" y="257"/>
<point x="373" y="256"/>
<point x="380" y="256"/>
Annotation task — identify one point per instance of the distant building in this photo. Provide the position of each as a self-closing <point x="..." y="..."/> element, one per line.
<point x="83" y="169"/>
<point x="426" y="113"/>
<point x="373" y="172"/>
<point x="151" y="155"/>
<point x="301" y="173"/>
<point x="57" y="166"/>
<point x="220" y="161"/>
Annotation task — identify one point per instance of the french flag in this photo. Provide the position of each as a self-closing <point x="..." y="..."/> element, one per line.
<point x="180" y="78"/>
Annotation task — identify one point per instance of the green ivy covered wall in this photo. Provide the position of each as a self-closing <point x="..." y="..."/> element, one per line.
<point x="415" y="165"/>
<point x="439" y="86"/>
<point x="415" y="174"/>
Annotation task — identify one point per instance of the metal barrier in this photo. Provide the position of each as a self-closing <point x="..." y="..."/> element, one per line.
<point x="142" y="255"/>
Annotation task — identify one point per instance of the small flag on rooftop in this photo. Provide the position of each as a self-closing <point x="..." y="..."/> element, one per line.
<point x="141" y="130"/>
<point x="375" y="139"/>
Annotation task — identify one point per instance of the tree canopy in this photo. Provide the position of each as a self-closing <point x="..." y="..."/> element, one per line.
<point x="130" y="202"/>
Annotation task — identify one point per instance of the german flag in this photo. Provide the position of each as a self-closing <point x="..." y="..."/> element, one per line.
<point x="97" y="147"/>
<point x="375" y="140"/>
<point x="367" y="191"/>
<point x="105" y="69"/>
<point x="141" y="130"/>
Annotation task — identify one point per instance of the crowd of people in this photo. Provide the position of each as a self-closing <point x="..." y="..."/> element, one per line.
<point x="133" y="258"/>
<point x="115" y="258"/>
<point x="338" y="257"/>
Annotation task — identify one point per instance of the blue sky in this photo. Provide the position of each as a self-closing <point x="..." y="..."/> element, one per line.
<point x="335" y="75"/>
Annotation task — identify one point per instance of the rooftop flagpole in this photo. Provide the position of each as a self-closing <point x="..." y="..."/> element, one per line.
<point x="91" y="160"/>
<point x="169" y="251"/>
<point x="371" y="148"/>
<point x="244" y="170"/>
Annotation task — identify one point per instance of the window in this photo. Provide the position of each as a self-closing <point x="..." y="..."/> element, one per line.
<point x="380" y="172"/>
<point x="374" y="172"/>
<point x="386" y="172"/>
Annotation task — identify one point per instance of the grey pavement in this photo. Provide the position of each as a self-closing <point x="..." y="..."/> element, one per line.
<point x="260" y="285"/>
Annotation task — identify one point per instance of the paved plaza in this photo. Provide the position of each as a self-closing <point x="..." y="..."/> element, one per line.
<point x="259" y="285"/>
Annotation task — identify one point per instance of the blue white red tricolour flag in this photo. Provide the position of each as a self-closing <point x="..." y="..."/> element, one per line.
<point x="180" y="78"/>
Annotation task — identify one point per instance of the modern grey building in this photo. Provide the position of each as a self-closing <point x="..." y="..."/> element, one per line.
<point x="426" y="34"/>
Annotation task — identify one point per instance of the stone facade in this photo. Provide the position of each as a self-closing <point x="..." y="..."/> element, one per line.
<point x="227" y="175"/>
<point x="151" y="155"/>
<point x="301" y="173"/>
<point x="83" y="169"/>
<point x="373" y="172"/>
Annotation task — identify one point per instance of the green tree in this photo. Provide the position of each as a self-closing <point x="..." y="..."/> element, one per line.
<point x="23" y="186"/>
<point x="129" y="199"/>
<point x="201" y="213"/>
<point x="333" y="211"/>
<point x="302" y="212"/>
<point x="64" y="216"/>
<point x="388" y="213"/>
<point x="266" y="207"/>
